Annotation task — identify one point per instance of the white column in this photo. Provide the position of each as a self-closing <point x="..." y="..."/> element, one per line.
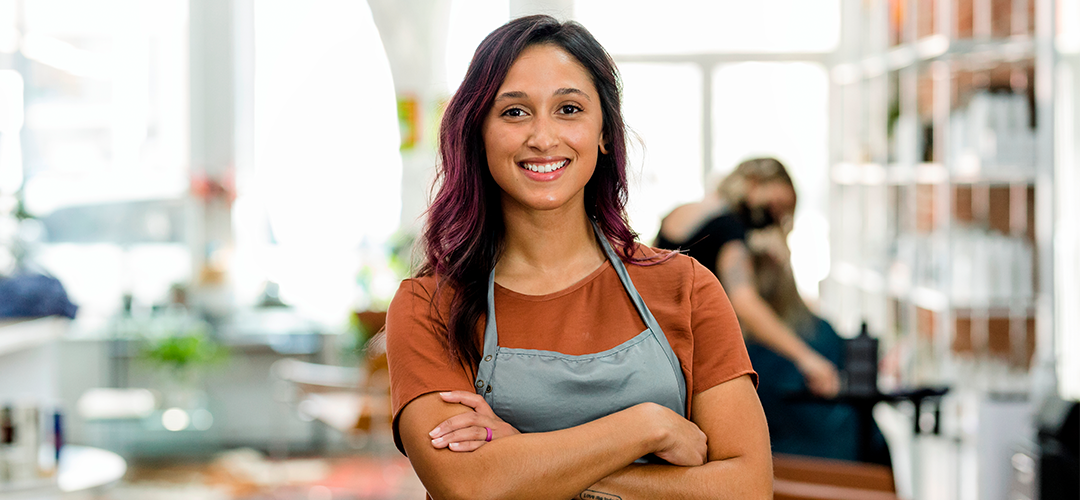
<point x="414" y="35"/>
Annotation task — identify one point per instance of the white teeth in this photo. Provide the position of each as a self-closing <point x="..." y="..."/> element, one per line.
<point x="544" y="168"/>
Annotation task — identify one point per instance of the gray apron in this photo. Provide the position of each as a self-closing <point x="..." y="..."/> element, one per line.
<point x="541" y="391"/>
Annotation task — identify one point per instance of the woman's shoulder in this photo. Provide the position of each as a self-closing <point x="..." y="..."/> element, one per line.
<point x="659" y="262"/>
<point x="421" y="290"/>
<point x="417" y="286"/>
<point x="669" y="267"/>
<point x="418" y="312"/>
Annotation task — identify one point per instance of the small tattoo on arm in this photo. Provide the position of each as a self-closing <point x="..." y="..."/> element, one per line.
<point x="598" y="495"/>
<point x="737" y="271"/>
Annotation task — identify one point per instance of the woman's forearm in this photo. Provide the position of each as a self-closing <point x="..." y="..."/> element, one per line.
<point x="733" y="478"/>
<point x="556" y="464"/>
<point x="740" y="463"/>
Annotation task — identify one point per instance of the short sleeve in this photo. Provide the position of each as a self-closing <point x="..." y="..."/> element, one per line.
<point x="719" y="350"/>
<point x="416" y="350"/>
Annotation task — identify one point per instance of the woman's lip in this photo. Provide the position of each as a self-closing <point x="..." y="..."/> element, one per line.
<point x="544" y="176"/>
<point x="546" y="161"/>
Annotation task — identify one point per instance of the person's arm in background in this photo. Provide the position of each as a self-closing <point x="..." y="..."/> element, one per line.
<point x="737" y="275"/>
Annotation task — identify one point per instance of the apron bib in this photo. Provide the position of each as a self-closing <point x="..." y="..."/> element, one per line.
<point x="541" y="391"/>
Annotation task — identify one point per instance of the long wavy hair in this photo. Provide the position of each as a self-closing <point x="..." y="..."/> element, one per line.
<point x="463" y="237"/>
<point x="776" y="285"/>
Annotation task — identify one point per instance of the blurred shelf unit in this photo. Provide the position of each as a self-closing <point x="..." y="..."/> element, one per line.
<point x="16" y="336"/>
<point x="942" y="184"/>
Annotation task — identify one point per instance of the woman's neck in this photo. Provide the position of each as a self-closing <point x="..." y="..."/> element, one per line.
<point x="545" y="252"/>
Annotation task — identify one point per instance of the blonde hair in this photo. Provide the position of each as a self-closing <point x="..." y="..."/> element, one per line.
<point x="733" y="188"/>
<point x="775" y="284"/>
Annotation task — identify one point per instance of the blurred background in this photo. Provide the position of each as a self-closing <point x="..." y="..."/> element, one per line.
<point x="206" y="206"/>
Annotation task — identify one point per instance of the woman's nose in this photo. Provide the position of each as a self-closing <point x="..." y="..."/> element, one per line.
<point x="544" y="134"/>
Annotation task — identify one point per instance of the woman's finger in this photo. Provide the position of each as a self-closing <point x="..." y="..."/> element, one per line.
<point x="462" y="435"/>
<point x="460" y="421"/>
<point x="466" y="446"/>
<point x="470" y="399"/>
<point x="459" y="445"/>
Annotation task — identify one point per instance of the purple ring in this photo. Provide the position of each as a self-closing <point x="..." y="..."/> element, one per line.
<point x="488" y="439"/>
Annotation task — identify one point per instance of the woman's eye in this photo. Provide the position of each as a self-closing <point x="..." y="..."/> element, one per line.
<point x="569" y="109"/>
<point x="514" y="112"/>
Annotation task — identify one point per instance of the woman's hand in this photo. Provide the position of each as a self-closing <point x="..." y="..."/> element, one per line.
<point x="681" y="441"/>
<point x="821" y="376"/>
<point x="469" y="431"/>
<point x="771" y="241"/>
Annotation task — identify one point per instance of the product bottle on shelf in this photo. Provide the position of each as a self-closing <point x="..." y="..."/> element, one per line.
<point x="7" y="443"/>
<point x="46" y="445"/>
<point x="26" y="444"/>
<point x="58" y="434"/>
<point x="861" y="363"/>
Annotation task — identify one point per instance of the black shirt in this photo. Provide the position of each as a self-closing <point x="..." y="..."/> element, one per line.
<point x="705" y="243"/>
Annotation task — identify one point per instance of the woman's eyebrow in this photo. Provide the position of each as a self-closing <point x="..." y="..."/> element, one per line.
<point x="571" y="90"/>
<point x="517" y="94"/>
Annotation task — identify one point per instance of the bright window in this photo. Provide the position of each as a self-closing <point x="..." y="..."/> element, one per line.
<point x="777" y="108"/>
<point x="662" y="107"/>
<point x="106" y="101"/>
<point x="712" y="26"/>
<point x="104" y="144"/>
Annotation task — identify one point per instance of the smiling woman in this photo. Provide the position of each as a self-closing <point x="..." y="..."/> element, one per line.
<point x="541" y="351"/>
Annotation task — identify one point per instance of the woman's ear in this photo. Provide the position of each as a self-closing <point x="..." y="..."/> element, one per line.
<point x="603" y="144"/>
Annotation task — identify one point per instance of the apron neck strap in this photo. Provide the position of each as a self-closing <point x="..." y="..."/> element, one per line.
<point x="491" y="331"/>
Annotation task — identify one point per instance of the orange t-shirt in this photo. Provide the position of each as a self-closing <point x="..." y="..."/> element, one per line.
<point x="593" y="315"/>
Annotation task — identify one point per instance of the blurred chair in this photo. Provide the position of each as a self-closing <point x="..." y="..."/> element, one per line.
<point x="808" y="478"/>
<point x="352" y="400"/>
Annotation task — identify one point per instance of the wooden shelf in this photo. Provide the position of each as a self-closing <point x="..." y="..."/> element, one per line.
<point x="954" y="260"/>
<point x="875" y="174"/>
<point x="933" y="48"/>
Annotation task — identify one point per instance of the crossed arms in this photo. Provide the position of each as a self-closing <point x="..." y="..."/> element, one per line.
<point x="721" y="452"/>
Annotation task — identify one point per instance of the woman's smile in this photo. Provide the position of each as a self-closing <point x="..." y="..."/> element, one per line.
<point x="544" y="170"/>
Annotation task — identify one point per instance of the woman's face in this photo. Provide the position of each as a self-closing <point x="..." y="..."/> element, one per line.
<point x="543" y="132"/>
<point x="775" y="196"/>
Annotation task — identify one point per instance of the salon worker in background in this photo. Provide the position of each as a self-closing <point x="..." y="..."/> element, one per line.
<point x="740" y="232"/>
<point x="758" y="195"/>
<point x="541" y="351"/>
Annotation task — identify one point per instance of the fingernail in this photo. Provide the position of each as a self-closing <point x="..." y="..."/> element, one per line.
<point x="434" y="431"/>
<point x="436" y="440"/>
<point x="444" y="394"/>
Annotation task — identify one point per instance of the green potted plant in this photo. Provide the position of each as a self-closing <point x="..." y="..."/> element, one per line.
<point x="180" y="358"/>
